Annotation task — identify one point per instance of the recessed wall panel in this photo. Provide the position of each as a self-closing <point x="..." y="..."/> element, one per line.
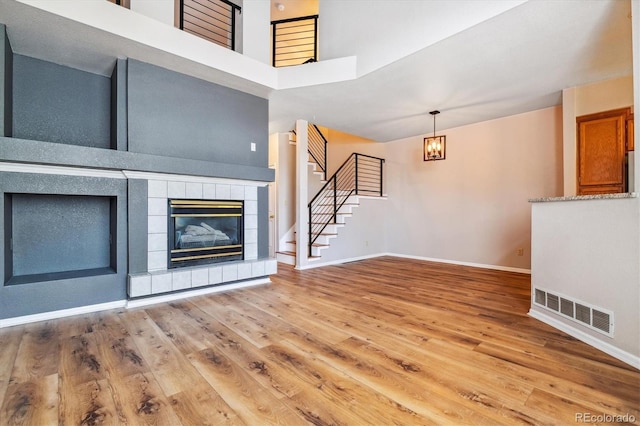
<point x="54" y="103"/>
<point x="59" y="233"/>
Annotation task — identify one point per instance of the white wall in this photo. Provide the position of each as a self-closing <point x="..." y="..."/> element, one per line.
<point x="301" y="191"/>
<point x="315" y="182"/>
<point x="160" y="10"/>
<point x="284" y="155"/>
<point x="256" y="30"/>
<point x="588" y="250"/>
<point x="343" y="32"/>
<point x="363" y="235"/>
<point x="583" y="100"/>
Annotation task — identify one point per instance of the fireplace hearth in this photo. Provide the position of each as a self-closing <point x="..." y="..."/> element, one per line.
<point x="204" y="232"/>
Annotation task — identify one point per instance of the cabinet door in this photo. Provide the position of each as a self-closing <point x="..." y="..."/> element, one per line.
<point x="601" y="152"/>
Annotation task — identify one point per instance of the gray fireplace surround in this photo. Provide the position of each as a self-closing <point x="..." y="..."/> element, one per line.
<point x="88" y="163"/>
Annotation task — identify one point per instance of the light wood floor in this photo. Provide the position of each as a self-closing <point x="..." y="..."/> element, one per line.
<point x="378" y="342"/>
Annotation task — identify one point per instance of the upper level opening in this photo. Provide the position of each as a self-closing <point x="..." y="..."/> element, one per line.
<point x="214" y="20"/>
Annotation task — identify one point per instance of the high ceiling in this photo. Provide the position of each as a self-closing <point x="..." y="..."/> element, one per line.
<point x="515" y="62"/>
<point x="474" y="60"/>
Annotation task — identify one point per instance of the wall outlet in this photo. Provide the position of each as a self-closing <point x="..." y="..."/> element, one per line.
<point x="520" y="251"/>
<point x="253" y="146"/>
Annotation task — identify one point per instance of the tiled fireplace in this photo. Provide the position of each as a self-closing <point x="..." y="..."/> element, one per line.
<point x="202" y="232"/>
<point x="159" y="278"/>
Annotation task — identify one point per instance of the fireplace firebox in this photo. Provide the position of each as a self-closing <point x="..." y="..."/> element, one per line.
<point x="205" y="232"/>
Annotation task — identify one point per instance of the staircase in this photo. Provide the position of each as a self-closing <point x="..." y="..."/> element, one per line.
<point x="360" y="175"/>
<point x="325" y="224"/>
<point x="288" y="254"/>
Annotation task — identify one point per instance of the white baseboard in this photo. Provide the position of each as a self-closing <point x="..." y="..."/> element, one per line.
<point x="374" y="197"/>
<point x="456" y="262"/>
<point x="45" y="316"/>
<point x="286" y="259"/>
<point x="136" y="303"/>
<point x="319" y="263"/>
<point x="624" y="356"/>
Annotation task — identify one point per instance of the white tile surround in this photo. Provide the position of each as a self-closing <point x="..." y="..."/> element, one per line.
<point x="159" y="279"/>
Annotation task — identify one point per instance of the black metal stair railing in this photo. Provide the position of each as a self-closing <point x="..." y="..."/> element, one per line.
<point x="294" y="41"/>
<point x="213" y="20"/>
<point x="317" y="147"/>
<point x="360" y="174"/>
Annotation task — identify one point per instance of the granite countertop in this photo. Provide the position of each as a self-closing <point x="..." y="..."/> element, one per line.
<point x="586" y="197"/>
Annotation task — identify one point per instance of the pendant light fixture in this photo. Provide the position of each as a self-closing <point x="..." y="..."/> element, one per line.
<point x="434" y="146"/>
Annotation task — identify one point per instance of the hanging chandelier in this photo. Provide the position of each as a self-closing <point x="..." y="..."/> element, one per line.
<point x="434" y="146"/>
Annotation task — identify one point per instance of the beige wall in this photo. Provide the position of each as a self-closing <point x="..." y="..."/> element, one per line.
<point x="342" y="145"/>
<point x="293" y="9"/>
<point x="583" y="100"/>
<point x="473" y="207"/>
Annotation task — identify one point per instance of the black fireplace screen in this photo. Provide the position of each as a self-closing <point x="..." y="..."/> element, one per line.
<point x="204" y="231"/>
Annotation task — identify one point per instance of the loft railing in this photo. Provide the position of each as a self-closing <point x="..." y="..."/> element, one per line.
<point x="360" y="174"/>
<point x="213" y="20"/>
<point x="317" y="147"/>
<point x="294" y="41"/>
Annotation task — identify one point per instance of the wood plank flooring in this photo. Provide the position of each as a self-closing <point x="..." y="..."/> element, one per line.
<point x="386" y="341"/>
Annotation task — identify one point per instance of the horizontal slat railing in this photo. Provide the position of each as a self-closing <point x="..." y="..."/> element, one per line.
<point x="360" y="174"/>
<point x="294" y="41"/>
<point x="317" y="147"/>
<point x="213" y="20"/>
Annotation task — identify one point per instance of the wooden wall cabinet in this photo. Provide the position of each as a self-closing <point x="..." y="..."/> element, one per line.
<point x="602" y="148"/>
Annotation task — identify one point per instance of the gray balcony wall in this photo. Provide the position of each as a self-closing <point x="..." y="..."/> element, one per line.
<point x="179" y="116"/>
<point x="53" y="103"/>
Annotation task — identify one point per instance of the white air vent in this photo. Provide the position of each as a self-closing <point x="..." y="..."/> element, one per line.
<point x="583" y="313"/>
<point x="566" y="307"/>
<point x="601" y="320"/>
<point x="553" y="302"/>
<point x="590" y="316"/>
